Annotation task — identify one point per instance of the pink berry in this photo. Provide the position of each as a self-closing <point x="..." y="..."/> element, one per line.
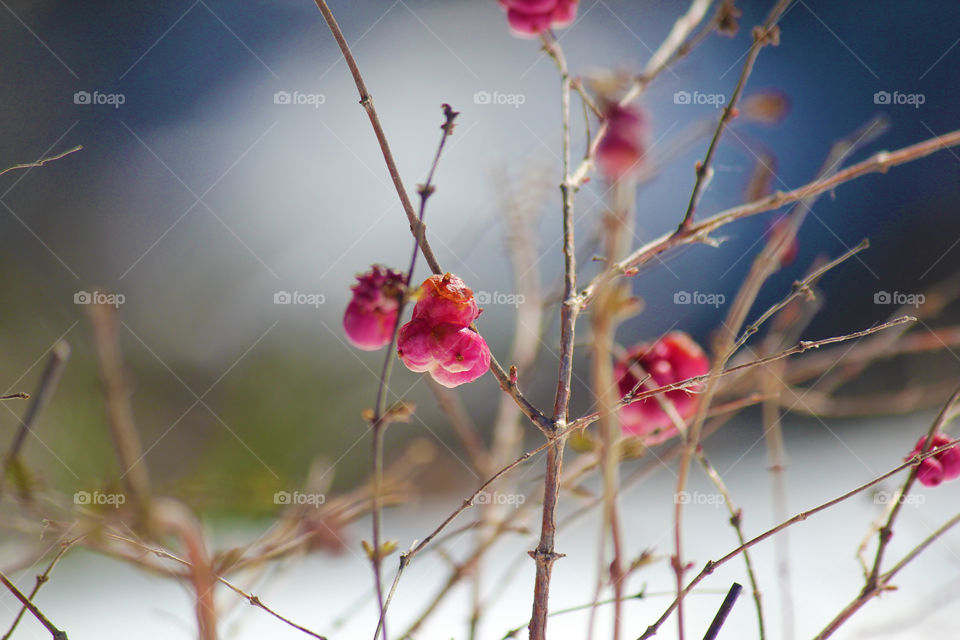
<point x="930" y="472"/>
<point x="942" y="466"/>
<point x="621" y="149"/>
<point x="446" y="298"/>
<point x="673" y="358"/>
<point x="371" y="314"/>
<point x="533" y="17"/>
<point x="450" y="353"/>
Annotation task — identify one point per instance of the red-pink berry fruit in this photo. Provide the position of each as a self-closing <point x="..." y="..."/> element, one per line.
<point x="446" y="298"/>
<point x="941" y="466"/>
<point x="371" y="314"/>
<point x="673" y="358"/>
<point x="532" y="17"/>
<point x="621" y="149"/>
<point x="452" y="354"/>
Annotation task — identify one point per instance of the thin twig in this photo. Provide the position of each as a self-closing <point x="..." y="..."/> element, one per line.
<point x="41" y="580"/>
<point x="699" y="232"/>
<point x="886" y="531"/>
<point x="736" y="521"/>
<point x="416" y="228"/>
<point x="43" y="161"/>
<point x="116" y="390"/>
<point x="723" y="612"/>
<point x="588" y="419"/>
<point x="762" y="36"/>
<point x="45" y="389"/>
<point x="32" y="608"/>
<point x="379" y="422"/>
<point x="545" y="553"/>
<point x="712" y="565"/>
<point x="252" y="599"/>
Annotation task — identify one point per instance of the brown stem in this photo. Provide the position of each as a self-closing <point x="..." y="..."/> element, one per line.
<point x="416" y="227"/>
<point x="48" y="382"/>
<point x="762" y="36"/>
<point x="252" y="599"/>
<point x="545" y="554"/>
<point x="32" y="608"/>
<point x="712" y="565"/>
<point x="40" y="581"/>
<point x="116" y="390"/>
<point x="877" y="163"/>
<point x="42" y="161"/>
<point x="380" y="421"/>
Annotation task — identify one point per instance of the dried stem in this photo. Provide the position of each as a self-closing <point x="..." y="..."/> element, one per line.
<point x="723" y="612"/>
<point x="42" y="161"/>
<point x="545" y="554"/>
<point x="380" y="419"/>
<point x="762" y="36"/>
<point x="32" y="608"/>
<point x="712" y="565"/>
<point x="618" y="230"/>
<point x="736" y="521"/>
<point x="45" y="389"/>
<point x="699" y="232"/>
<point x="252" y="599"/>
<point x="586" y="420"/>
<point x="116" y="390"/>
<point x="876" y="582"/>
<point x="886" y="531"/>
<point x="41" y="580"/>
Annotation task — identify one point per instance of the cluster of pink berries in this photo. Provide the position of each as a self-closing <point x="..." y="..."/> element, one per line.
<point x="673" y="358"/>
<point x="437" y="340"/>
<point x="372" y="312"/>
<point x="940" y="466"/>
<point x="533" y="17"/>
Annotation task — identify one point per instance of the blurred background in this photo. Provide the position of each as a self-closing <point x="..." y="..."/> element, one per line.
<point x="226" y="160"/>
